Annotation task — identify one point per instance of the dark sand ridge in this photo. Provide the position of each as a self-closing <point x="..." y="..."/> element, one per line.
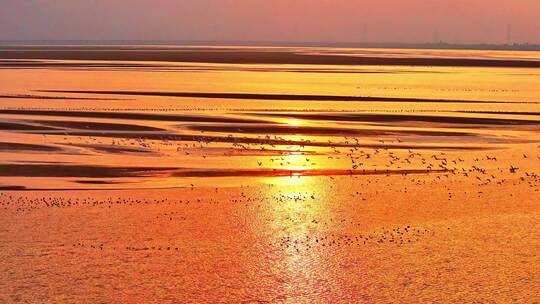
<point x="25" y="96"/>
<point x="57" y="170"/>
<point x="98" y="182"/>
<point x="84" y="125"/>
<point x="48" y="125"/>
<point x="11" y="126"/>
<point x="179" y="68"/>
<point x="251" y="129"/>
<point x="499" y="112"/>
<point x="322" y="131"/>
<point x="377" y="117"/>
<point x="133" y="116"/>
<point x="279" y="172"/>
<point x="90" y="171"/>
<point x="40" y="162"/>
<point x="49" y="64"/>
<point x="12" y="188"/>
<point x="235" y="56"/>
<point x="251" y="140"/>
<point x="284" y="97"/>
<point x="8" y="146"/>
<point x="115" y="149"/>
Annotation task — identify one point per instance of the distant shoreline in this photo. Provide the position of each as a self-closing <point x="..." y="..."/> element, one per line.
<point x="239" y="55"/>
<point x="436" y="46"/>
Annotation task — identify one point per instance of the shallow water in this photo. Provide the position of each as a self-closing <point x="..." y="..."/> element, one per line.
<point x="280" y="182"/>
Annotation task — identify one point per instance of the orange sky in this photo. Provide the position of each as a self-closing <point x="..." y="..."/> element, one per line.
<point x="463" y="21"/>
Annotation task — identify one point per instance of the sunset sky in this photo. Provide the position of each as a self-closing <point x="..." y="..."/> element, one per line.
<point x="458" y="21"/>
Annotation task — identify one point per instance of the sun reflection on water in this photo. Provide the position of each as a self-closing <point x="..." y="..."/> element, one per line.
<point x="298" y="204"/>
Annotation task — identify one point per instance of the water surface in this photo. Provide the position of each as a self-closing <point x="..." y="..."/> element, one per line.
<point x="202" y="174"/>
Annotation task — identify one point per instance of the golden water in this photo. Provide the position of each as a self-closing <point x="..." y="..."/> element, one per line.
<point x="121" y="193"/>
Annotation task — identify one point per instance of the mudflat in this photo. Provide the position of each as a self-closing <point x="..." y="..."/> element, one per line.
<point x="226" y="174"/>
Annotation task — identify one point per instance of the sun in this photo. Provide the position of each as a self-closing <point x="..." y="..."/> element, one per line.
<point x="295" y="122"/>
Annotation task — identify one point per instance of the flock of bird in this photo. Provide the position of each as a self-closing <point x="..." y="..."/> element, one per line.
<point x="397" y="236"/>
<point x="370" y="167"/>
<point x="459" y="171"/>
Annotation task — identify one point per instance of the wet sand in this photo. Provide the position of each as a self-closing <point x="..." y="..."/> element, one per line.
<point x="46" y="170"/>
<point x="6" y="146"/>
<point x="282" y="97"/>
<point x="131" y="116"/>
<point x="433" y="119"/>
<point x="200" y="177"/>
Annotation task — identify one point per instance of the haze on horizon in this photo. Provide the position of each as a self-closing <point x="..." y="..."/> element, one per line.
<point x="405" y="21"/>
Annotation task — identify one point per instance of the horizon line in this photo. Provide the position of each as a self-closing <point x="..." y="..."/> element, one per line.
<point x="425" y="45"/>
